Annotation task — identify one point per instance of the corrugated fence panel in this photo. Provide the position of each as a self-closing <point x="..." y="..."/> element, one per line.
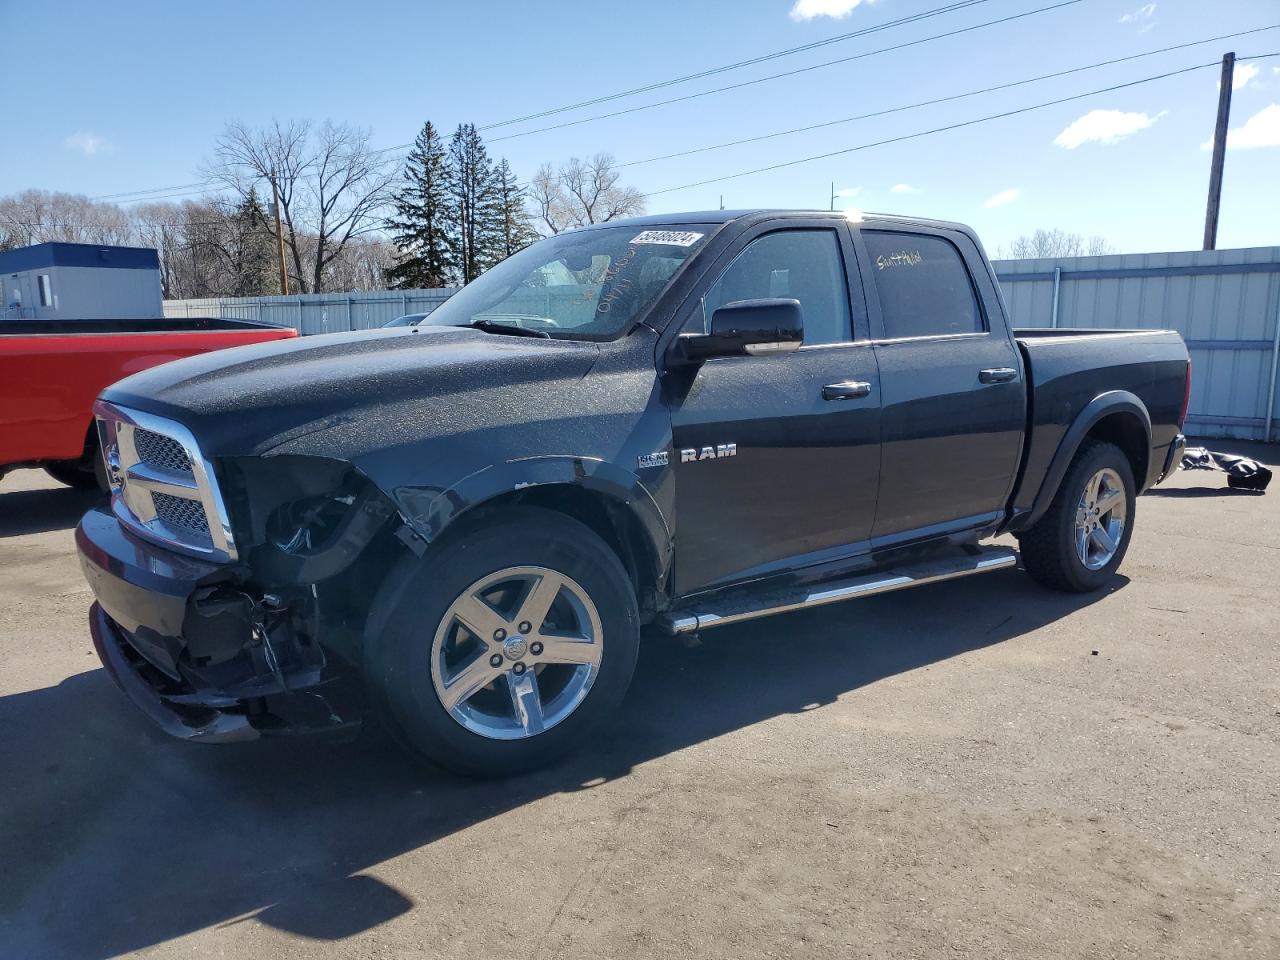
<point x="316" y="313"/>
<point x="1225" y="303"/>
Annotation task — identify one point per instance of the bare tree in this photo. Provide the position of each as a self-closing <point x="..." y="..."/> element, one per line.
<point x="332" y="184"/>
<point x="1055" y="243"/>
<point x="363" y="265"/>
<point x="39" y="216"/>
<point x="582" y="192"/>
<point x="160" y="225"/>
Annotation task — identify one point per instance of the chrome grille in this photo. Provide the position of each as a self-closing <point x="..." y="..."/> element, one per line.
<point x="178" y="512"/>
<point x="161" y="452"/>
<point x="162" y="487"/>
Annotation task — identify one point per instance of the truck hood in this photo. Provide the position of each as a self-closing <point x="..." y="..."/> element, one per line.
<point x="342" y="394"/>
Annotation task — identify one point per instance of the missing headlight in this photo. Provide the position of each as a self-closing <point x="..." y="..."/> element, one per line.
<point x="315" y="537"/>
<point x="303" y="525"/>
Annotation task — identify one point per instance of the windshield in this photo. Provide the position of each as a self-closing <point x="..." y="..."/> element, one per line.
<point x="585" y="285"/>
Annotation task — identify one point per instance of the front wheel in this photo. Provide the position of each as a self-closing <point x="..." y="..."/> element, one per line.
<point x="504" y="648"/>
<point x="1079" y="542"/>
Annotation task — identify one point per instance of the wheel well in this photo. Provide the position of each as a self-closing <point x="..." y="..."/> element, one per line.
<point x="1126" y="431"/>
<point x="609" y="520"/>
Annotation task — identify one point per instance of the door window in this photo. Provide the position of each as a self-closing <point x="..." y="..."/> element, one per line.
<point x="923" y="284"/>
<point x="804" y="265"/>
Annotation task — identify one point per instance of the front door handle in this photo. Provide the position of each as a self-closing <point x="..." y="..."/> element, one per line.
<point x="997" y="375"/>
<point x="846" y="390"/>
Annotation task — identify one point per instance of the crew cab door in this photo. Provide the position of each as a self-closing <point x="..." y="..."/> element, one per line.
<point x="954" y="401"/>
<point x="776" y="458"/>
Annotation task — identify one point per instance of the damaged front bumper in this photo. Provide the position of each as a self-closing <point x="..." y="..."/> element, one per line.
<point x="202" y="652"/>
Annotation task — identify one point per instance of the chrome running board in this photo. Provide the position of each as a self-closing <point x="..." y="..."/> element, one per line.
<point x="720" y="612"/>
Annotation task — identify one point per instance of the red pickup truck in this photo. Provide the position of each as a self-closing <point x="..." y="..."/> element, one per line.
<point x="52" y="371"/>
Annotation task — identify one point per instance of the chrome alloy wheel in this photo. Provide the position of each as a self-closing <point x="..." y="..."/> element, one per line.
<point x="1100" y="519"/>
<point x="517" y="652"/>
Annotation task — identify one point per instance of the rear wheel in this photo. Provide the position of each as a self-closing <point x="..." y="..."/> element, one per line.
<point x="500" y="650"/>
<point x="1080" y="541"/>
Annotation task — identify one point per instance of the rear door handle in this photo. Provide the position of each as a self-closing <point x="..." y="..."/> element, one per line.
<point x="997" y="375"/>
<point x="846" y="390"/>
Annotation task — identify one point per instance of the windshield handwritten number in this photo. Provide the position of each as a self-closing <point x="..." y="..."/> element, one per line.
<point x="619" y="288"/>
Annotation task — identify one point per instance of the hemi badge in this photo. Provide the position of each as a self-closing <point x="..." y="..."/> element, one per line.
<point x="658" y="459"/>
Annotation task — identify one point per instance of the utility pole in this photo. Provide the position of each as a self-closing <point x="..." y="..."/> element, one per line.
<point x="1219" y="152"/>
<point x="275" y="203"/>
<point x="833" y="195"/>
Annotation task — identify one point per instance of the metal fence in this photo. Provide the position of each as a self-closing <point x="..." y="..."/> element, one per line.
<point x="319" y="312"/>
<point x="1225" y="303"/>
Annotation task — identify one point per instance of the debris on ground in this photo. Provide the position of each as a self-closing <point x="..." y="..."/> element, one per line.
<point x="1242" y="473"/>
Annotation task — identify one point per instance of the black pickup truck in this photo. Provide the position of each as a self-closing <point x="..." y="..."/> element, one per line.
<point x="688" y="421"/>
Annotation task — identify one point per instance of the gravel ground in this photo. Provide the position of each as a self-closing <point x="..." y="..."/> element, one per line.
<point x="976" y="769"/>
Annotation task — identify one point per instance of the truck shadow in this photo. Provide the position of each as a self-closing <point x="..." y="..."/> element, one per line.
<point x="43" y="510"/>
<point x="118" y="839"/>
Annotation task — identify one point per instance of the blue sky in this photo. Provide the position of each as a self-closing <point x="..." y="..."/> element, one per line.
<point x="106" y="98"/>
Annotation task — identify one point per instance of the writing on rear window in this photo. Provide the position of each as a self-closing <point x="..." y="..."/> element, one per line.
<point x="924" y="288"/>
<point x="674" y="238"/>
<point x="904" y="258"/>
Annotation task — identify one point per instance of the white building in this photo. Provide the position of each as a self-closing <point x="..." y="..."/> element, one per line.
<point x="80" y="281"/>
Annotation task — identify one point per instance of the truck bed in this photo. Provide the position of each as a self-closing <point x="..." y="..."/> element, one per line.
<point x="52" y="370"/>
<point x="61" y="328"/>
<point x="1064" y="367"/>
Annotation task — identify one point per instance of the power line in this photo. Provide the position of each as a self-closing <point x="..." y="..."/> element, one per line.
<point x="788" y="73"/>
<point x="943" y="129"/>
<point x="725" y="68"/>
<point x="898" y="139"/>
<point x="947" y="99"/>
<point x="978" y="120"/>
<point x="138" y="193"/>
<point x="198" y="187"/>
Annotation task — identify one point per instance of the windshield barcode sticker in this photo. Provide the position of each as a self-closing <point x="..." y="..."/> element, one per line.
<point x="672" y="238"/>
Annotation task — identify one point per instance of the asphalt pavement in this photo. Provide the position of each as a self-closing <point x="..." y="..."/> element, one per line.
<point x="978" y="769"/>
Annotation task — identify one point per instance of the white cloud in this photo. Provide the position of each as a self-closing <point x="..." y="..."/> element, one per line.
<point x="1003" y="197"/>
<point x="1244" y="72"/>
<point x="1144" y="12"/>
<point x="1104" y="126"/>
<point x="1260" y="130"/>
<point x="87" y="143"/>
<point x="903" y="188"/>
<point x="837" y="9"/>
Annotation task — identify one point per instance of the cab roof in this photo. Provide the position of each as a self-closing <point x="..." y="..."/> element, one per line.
<point x="753" y="215"/>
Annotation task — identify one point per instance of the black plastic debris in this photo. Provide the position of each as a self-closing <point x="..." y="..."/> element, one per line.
<point x="1242" y="473"/>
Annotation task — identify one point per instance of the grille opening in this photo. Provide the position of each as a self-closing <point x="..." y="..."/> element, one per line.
<point x="178" y="512"/>
<point x="161" y="452"/>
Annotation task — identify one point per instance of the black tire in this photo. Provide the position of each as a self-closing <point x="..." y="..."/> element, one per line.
<point x="418" y="594"/>
<point x="74" y="473"/>
<point x="1049" y="550"/>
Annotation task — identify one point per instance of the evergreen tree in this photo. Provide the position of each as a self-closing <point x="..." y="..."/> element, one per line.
<point x="425" y="218"/>
<point x="251" y="250"/>
<point x="514" y="229"/>
<point x="474" y="194"/>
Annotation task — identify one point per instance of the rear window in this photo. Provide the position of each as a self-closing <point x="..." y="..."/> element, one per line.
<point x="923" y="285"/>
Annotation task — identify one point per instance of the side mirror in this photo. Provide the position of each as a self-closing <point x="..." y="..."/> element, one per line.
<point x="750" y="327"/>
